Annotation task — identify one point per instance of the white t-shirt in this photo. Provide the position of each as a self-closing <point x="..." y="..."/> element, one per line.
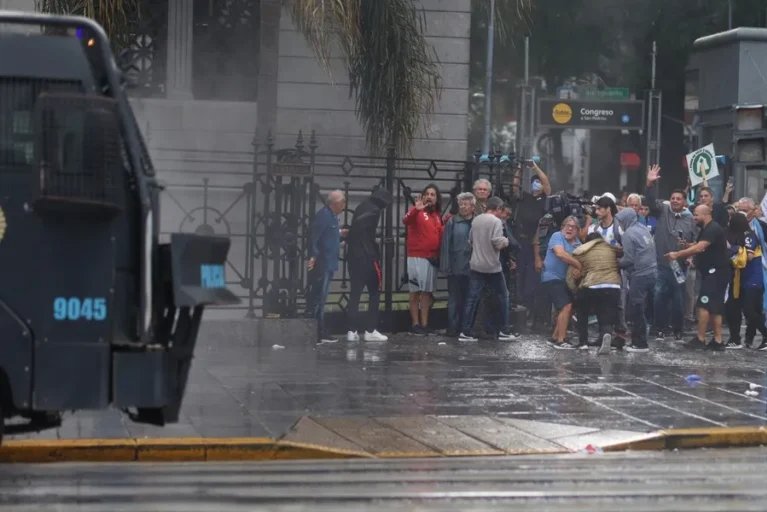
<point x="608" y="233"/>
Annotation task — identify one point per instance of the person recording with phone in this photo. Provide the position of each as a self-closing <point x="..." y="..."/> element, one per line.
<point x="528" y="208"/>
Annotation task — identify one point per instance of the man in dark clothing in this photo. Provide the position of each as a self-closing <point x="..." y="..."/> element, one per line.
<point x="713" y="263"/>
<point x="324" y="244"/>
<point x="364" y="262"/>
<point x="528" y="208"/>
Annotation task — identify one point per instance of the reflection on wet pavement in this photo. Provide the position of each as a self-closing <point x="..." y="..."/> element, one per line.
<point x="240" y="386"/>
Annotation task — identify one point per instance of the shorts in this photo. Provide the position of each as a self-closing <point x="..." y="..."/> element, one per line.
<point x="713" y="288"/>
<point x="557" y="293"/>
<point x="422" y="275"/>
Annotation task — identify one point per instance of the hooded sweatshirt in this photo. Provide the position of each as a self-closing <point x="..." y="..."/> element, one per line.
<point x="362" y="246"/>
<point x="639" y="253"/>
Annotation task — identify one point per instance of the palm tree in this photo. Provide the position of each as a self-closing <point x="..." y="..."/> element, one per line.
<point x="393" y="72"/>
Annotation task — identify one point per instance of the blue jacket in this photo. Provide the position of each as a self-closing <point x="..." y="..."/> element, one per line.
<point x="325" y="240"/>
<point x="455" y="250"/>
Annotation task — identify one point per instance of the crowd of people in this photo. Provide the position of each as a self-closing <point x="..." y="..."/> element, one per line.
<point x="634" y="264"/>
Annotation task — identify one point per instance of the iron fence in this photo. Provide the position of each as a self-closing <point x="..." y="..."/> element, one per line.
<point x="265" y="201"/>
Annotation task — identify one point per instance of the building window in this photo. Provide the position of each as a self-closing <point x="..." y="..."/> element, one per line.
<point x="225" y="50"/>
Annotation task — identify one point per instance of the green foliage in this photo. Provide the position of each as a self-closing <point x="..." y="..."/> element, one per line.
<point x="392" y="69"/>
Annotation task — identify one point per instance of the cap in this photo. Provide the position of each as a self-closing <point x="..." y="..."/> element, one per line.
<point x="610" y="196"/>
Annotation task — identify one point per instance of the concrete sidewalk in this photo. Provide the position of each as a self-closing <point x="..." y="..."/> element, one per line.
<point x="243" y="385"/>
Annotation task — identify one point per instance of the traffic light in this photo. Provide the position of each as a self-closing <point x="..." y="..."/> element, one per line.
<point x="749" y="135"/>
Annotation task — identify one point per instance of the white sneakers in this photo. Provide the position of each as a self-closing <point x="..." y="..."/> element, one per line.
<point x="368" y="336"/>
<point x="375" y="336"/>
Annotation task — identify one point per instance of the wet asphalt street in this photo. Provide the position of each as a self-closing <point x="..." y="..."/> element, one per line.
<point x="243" y="385"/>
<point x="697" y="480"/>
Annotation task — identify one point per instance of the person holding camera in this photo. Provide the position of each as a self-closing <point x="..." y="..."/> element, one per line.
<point x="529" y="208"/>
<point x="423" y="228"/>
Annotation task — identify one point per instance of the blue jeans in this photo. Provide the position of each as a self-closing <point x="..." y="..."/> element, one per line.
<point x="319" y="285"/>
<point x="497" y="285"/>
<point x="457" y="289"/>
<point x="668" y="300"/>
<point x="640" y="288"/>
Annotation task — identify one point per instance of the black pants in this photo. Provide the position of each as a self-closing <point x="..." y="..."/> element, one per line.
<point x="364" y="274"/>
<point x="641" y="288"/>
<point x="601" y="301"/>
<point x="749" y="304"/>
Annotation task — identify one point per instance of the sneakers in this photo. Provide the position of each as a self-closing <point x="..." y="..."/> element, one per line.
<point x="695" y="344"/>
<point x="511" y="336"/>
<point x="762" y="346"/>
<point x="583" y="346"/>
<point x="713" y="346"/>
<point x="467" y="337"/>
<point x="328" y="339"/>
<point x="660" y="336"/>
<point x="604" y="348"/>
<point x="637" y="348"/>
<point x="561" y="345"/>
<point x="678" y="337"/>
<point x="352" y="336"/>
<point x="733" y="345"/>
<point x="374" y="336"/>
<point x="417" y="330"/>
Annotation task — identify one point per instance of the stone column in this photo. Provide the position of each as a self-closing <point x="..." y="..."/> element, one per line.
<point x="178" y="80"/>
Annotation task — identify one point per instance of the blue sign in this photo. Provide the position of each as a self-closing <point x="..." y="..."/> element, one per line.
<point x="212" y="276"/>
<point x="75" y="308"/>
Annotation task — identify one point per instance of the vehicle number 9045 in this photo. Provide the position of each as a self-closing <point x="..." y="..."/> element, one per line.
<point x="74" y="308"/>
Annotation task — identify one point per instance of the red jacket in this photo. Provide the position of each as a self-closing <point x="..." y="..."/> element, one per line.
<point x="424" y="233"/>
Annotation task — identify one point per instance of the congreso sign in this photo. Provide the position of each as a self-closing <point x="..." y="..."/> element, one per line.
<point x="593" y="114"/>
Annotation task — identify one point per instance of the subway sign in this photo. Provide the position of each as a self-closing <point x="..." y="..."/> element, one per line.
<point x="593" y="114"/>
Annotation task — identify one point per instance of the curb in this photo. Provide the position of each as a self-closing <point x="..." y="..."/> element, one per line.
<point x="188" y="449"/>
<point x="691" y="438"/>
<point x="166" y="450"/>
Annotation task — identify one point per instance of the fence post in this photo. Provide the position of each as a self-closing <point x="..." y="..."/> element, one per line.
<point x="391" y="161"/>
<point x="250" y="230"/>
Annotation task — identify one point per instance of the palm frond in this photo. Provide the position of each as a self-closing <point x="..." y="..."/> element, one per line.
<point x="116" y="16"/>
<point x="511" y="16"/>
<point x="392" y="69"/>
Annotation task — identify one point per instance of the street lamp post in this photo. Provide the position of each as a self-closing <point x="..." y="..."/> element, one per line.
<point x="489" y="78"/>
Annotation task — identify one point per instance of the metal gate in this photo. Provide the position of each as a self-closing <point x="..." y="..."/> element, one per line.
<point x="268" y="208"/>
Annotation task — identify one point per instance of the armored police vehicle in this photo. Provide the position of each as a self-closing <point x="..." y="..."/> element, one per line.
<point x="94" y="310"/>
